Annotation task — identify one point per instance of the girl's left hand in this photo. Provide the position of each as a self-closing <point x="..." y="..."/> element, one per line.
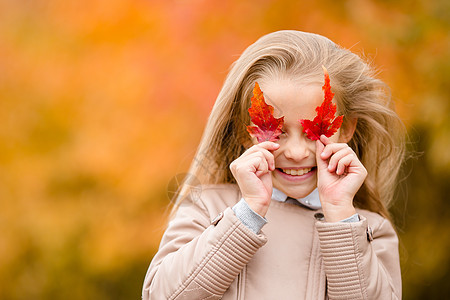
<point x="340" y="174"/>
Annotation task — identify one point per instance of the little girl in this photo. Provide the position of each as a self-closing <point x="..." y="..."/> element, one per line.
<point x="295" y="218"/>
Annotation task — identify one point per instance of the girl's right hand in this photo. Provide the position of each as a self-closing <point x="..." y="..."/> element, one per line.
<point x="252" y="171"/>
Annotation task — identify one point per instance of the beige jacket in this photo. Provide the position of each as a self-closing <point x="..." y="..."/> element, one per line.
<point x="208" y="253"/>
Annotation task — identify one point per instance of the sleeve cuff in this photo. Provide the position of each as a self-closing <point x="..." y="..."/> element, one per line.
<point x="351" y="219"/>
<point x="248" y="216"/>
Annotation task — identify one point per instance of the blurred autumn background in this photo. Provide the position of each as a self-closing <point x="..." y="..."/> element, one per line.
<point x="103" y="103"/>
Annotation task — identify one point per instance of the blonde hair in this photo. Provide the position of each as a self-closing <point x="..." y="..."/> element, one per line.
<point x="378" y="139"/>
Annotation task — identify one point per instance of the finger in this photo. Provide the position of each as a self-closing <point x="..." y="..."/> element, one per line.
<point x="260" y="165"/>
<point x="267" y="154"/>
<point x="268" y="145"/>
<point x="336" y="157"/>
<point x="344" y="163"/>
<point x="321" y="163"/>
<point x="333" y="148"/>
<point x="267" y="157"/>
<point x="253" y="165"/>
<point x="324" y="140"/>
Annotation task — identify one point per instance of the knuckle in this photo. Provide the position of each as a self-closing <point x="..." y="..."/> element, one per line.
<point x="260" y="155"/>
<point x="365" y="172"/>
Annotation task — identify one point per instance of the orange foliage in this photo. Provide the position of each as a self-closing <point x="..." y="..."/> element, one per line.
<point x="85" y="87"/>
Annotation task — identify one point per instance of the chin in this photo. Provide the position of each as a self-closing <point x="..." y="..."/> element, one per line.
<point x="300" y="194"/>
<point x="295" y="188"/>
<point x="296" y="192"/>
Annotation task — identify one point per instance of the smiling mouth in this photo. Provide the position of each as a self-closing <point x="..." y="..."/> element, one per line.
<point x="296" y="172"/>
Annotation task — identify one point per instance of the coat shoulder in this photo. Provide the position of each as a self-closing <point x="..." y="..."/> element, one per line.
<point x="217" y="197"/>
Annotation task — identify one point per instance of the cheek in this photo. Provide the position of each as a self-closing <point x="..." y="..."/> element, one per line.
<point x="336" y="138"/>
<point x="312" y="146"/>
<point x="277" y="153"/>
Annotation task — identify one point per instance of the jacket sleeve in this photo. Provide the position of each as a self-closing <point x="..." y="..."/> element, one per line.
<point x="197" y="258"/>
<point x="360" y="262"/>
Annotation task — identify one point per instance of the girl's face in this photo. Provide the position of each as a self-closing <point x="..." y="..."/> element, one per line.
<point x="295" y="160"/>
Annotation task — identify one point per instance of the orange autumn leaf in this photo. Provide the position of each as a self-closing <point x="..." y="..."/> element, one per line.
<point x="268" y="128"/>
<point x="323" y="123"/>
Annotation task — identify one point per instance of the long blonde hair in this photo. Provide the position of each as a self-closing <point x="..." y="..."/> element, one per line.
<point x="378" y="139"/>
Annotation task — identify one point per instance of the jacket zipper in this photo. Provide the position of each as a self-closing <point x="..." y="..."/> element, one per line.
<point x="240" y="284"/>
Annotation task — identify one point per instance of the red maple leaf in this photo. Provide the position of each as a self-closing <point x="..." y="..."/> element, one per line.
<point x="268" y="128"/>
<point x="323" y="123"/>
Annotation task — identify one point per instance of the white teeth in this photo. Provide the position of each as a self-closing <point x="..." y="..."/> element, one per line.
<point x="296" y="172"/>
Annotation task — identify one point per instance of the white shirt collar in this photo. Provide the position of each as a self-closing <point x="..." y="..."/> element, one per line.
<point x="312" y="200"/>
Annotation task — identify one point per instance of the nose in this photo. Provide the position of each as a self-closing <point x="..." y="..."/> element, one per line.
<point x="296" y="147"/>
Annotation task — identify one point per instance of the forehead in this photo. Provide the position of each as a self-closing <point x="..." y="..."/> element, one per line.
<point x="291" y="98"/>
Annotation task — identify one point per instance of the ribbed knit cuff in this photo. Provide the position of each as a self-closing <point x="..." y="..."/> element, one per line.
<point x="351" y="219"/>
<point x="248" y="216"/>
